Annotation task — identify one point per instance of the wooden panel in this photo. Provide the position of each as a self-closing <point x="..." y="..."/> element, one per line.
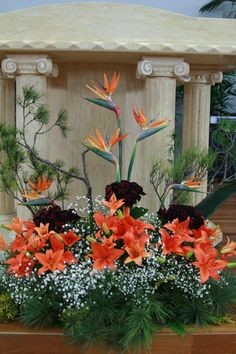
<point x="225" y="216"/>
<point x="15" y="339"/>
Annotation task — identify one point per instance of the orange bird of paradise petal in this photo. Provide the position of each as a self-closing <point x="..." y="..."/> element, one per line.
<point x="140" y="117"/>
<point x="41" y="185"/>
<point x="116" y="138"/>
<point x="99" y="142"/>
<point x="50" y="260"/>
<point x="142" y="120"/>
<point x="106" y="90"/>
<point x="113" y="203"/>
<point x="31" y="195"/>
<point x="192" y="182"/>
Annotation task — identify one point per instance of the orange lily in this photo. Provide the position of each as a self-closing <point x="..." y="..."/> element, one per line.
<point x="113" y="203"/>
<point x="42" y="230"/>
<point x="171" y="244"/>
<point x="181" y="229"/>
<point x="20" y="265"/>
<point x="35" y="243"/>
<point x="106" y="90"/>
<point x="208" y="265"/>
<point x="229" y="249"/>
<point x="104" y="256"/>
<point x="51" y="261"/>
<point x="3" y="244"/>
<point x="41" y="185"/>
<point x="16" y="226"/>
<point x="69" y="238"/>
<point x="19" y="244"/>
<point x="69" y="258"/>
<point x="136" y="252"/>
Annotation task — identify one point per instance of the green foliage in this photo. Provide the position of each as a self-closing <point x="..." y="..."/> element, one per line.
<point x="214" y="4"/>
<point x="41" y="114"/>
<point x="62" y="122"/>
<point x="12" y="157"/>
<point x="16" y="152"/>
<point x="40" y="312"/>
<point x="8" y="309"/>
<point x="138" y="212"/>
<point x="223" y="294"/>
<point x="191" y="162"/>
<point x="221" y="95"/>
<point x="115" y="321"/>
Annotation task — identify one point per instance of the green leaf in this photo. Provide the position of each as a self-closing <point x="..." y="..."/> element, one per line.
<point x="137" y="212"/>
<point x="38" y="202"/>
<point x="102" y="103"/>
<point x="107" y="155"/>
<point x="213" y="201"/>
<point x="148" y="132"/>
<point x="181" y="187"/>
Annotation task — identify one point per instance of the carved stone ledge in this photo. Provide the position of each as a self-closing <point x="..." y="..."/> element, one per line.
<point x="27" y="64"/>
<point x="206" y="77"/>
<point x="163" y="67"/>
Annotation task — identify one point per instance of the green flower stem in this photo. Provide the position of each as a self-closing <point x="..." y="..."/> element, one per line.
<point x="118" y="175"/>
<point x="231" y="265"/>
<point x="131" y="162"/>
<point x="120" y="146"/>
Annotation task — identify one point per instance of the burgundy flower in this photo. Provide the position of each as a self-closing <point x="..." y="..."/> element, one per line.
<point x="131" y="192"/>
<point x="56" y="217"/>
<point x="182" y="212"/>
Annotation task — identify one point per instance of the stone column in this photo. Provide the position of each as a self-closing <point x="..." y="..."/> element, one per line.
<point x="7" y="115"/>
<point x="196" y="119"/>
<point x="160" y="74"/>
<point x="29" y="70"/>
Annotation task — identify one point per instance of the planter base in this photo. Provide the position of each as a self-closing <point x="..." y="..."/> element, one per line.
<point x="16" y="339"/>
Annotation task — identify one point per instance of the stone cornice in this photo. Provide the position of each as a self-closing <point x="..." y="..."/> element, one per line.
<point x="28" y="64"/>
<point x="135" y="46"/>
<point x="116" y="28"/>
<point x="205" y="77"/>
<point x="163" y="67"/>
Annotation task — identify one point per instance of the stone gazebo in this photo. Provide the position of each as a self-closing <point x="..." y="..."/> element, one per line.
<point x="60" y="48"/>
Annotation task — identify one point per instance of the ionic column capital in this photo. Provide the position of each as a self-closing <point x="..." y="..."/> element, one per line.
<point x="163" y="67"/>
<point x="208" y="77"/>
<point x="27" y="64"/>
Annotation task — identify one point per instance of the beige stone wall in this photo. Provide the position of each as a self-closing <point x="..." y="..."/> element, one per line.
<point x="67" y="91"/>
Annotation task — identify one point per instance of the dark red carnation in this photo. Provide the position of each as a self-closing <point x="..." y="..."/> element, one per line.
<point x="56" y="217"/>
<point x="131" y="192"/>
<point x="182" y="212"/>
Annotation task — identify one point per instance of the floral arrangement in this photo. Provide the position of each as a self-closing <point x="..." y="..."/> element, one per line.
<point x="115" y="274"/>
